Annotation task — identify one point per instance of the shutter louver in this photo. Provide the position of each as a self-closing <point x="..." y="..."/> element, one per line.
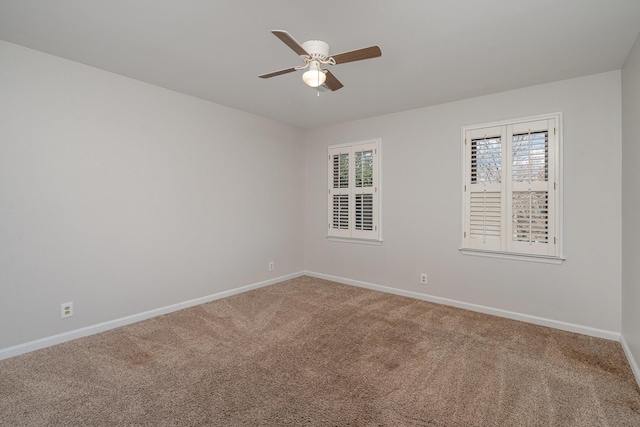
<point x="530" y="217"/>
<point x="341" y="170"/>
<point x="486" y="215"/>
<point x="364" y="212"/>
<point x="364" y="169"/>
<point x="341" y="211"/>
<point x="486" y="160"/>
<point x="530" y="154"/>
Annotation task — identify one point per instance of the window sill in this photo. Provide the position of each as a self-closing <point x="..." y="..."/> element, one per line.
<point x="513" y="256"/>
<point x="358" y="241"/>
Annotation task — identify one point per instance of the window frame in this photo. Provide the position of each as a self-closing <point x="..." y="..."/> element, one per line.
<point x="504" y="247"/>
<point x="351" y="234"/>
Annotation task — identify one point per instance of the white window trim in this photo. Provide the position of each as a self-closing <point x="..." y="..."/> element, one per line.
<point x="378" y="189"/>
<point x="354" y="240"/>
<point x="559" y="179"/>
<point x="512" y="256"/>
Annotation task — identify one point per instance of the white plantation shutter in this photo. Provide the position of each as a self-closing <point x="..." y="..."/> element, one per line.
<point x="511" y="187"/>
<point x="485" y="226"/>
<point x="365" y="192"/>
<point x="339" y="192"/>
<point x="354" y="191"/>
<point x="532" y="206"/>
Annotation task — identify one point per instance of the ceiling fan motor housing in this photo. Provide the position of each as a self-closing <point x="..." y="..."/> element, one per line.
<point x="317" y="49"/>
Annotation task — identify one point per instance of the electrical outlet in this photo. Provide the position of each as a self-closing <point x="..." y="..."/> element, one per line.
<point x="423" y="278"/>
<point x="271" y="266"/>
<point x="66" y="310"/>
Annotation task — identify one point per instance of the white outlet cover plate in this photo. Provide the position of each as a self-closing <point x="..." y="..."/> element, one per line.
<point x="66" y="310"/>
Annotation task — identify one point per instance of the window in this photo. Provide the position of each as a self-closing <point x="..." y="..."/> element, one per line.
<point x="354" y="191"/>
<point x="512" y="188"/>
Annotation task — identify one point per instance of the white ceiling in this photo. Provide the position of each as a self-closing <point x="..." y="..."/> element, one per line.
<point x="433" y="51"/>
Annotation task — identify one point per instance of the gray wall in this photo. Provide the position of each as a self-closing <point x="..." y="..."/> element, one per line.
<point x="631" y="203"/>
<point x="124" y="197"/>
<point x="421" y="206"/>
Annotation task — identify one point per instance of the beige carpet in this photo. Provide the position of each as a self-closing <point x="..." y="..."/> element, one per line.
<point x="312" y="352"/>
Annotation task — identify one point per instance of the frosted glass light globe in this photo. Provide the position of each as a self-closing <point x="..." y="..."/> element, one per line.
<point x="314" y="78"/>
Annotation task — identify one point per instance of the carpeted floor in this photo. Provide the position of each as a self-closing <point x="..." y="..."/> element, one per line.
<point x="311" y="352"/>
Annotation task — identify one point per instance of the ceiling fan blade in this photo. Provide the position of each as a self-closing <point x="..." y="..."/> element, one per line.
<point x="358" y="55"/>
<point x="331" y="82"/>
<point x="277" y="73"/>
<point x="290" y="41"/>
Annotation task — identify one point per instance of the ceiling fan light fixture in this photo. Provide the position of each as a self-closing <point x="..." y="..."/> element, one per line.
<point x="314" y="76"/>
<point x="315" y="54"/>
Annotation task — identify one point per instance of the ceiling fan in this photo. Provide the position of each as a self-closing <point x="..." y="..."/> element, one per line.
<point x="315" y="54"/>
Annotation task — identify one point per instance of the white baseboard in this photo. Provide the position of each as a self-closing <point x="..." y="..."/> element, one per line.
<point x="105" y="326"/>
<point x="585" y="330"/>
<point x="631" y="359"/>
<point x="38" y="344"/>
